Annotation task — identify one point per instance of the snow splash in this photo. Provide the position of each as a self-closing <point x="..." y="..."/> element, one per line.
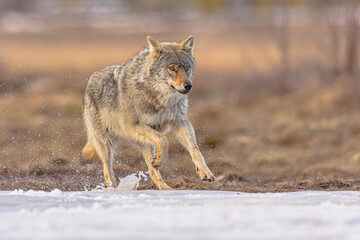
<point x="129" y="183"/>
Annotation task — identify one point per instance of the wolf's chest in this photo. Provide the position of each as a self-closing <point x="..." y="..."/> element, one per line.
<point x="165" y="115"/>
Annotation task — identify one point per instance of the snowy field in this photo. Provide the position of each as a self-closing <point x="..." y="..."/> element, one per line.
<point x="104" y="214"/>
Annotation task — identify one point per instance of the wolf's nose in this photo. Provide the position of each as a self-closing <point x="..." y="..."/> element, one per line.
<point x="187" y="86"/>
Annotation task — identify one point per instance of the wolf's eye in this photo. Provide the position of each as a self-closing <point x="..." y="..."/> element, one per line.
<point x="172" y="69"/>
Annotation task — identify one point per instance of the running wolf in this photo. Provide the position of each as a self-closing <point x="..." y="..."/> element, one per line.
<point x="142" y="100"/>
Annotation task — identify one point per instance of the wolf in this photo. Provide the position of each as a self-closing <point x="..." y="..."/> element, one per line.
<point x="142" y="100"/>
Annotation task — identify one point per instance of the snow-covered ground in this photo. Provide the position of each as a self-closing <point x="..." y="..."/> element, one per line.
<point x="103" y="214"/>
<point x="123" y="213"/>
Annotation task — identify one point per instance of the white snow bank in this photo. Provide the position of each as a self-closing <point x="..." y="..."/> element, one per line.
<point x="179" y="215"/>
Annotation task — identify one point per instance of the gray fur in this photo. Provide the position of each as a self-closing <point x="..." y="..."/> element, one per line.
<point x="135" y="101"/>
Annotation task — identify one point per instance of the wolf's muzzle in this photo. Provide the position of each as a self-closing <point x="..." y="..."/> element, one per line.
<point x="187" y="86"/>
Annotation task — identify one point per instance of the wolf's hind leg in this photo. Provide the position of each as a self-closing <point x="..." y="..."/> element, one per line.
<point x="88" y="154"/>
<point x="105" y="152"/>
<point x="154" y="173"/>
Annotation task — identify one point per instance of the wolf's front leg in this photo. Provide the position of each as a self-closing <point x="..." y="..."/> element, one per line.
<point x="148" y="136"/>
<point x="147" y="151"/>
<point x="151" y="140"/>
<point x="186" y="135"/>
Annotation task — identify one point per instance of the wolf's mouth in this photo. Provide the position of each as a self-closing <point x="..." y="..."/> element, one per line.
<point x="183" y="91"/>
<point x="180" y="91"/>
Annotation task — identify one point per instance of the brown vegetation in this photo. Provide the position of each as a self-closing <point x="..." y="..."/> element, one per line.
<point x="253" y="138"/>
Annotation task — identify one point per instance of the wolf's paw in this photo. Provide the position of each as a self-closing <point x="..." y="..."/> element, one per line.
<point x="157" y="162"/>
<point x="161" y="185"/>
<point x="110" y="184"/>
<point x="205" y="176"/>
<point x="165" y="187"/>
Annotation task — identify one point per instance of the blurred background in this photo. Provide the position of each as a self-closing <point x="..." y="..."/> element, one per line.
<point x="275" y="104"/>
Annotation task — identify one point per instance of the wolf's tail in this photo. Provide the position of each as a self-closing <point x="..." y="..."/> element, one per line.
<point x="88" y="154"/>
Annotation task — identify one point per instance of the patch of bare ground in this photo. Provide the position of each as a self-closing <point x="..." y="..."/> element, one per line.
<point x="253" y="139"/>
<point x="75" y="181"/>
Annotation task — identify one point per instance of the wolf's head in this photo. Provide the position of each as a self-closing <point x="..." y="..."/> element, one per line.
<point x="172" y="63"/>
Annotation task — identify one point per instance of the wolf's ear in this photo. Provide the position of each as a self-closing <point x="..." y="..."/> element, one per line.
<point x="153" y="44"/>
<point x="188" y="45"/>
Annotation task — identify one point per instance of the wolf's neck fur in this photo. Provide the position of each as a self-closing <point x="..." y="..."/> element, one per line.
<point x="156" y="90"/>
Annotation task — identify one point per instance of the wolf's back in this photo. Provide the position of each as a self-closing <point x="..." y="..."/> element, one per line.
<point x="102" y="87"/>
<point x="105" y="85"/>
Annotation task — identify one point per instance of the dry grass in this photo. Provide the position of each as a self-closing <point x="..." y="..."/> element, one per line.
<point x="253" y="139"/>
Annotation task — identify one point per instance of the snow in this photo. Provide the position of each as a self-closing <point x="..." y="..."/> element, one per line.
<point x="121" y="214"/>
<point x="131" y="182"/>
